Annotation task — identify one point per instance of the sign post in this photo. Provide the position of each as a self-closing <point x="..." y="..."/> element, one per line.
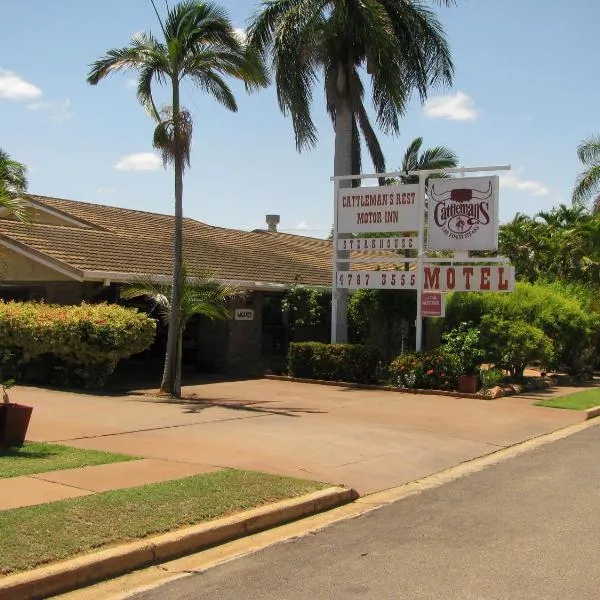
<point x="462" y="215"/>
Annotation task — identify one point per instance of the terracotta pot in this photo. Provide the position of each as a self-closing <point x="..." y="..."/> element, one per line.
<point x="14" y="421"/>
<point x="468" y="384"/>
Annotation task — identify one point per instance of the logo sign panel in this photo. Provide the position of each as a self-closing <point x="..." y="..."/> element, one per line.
<point x="433" y="305"/>
<point x="463" y="213"/>
<point x="244" y="314"/>
<point x="390" y="208"/>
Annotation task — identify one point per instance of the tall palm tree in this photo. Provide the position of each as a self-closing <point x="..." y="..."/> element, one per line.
<point x="199" y="44"/>
<point x="401" y="45"/>
<point x="13" y="185"/>
<point x="201" y="295"/>
<point x="587" y="186"/>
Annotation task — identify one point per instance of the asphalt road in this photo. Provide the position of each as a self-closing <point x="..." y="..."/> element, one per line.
<point x="526" y="528"/>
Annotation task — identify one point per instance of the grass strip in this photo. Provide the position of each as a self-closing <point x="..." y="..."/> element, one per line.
<point x="39" y="457"/>
<point x="37" y="535"/>
<point x="578" y="401"/>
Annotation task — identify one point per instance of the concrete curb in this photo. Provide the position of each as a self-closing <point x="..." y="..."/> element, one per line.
<point x="68" y="575"/>
<point x="381" y="388"/>
<point x="592" y="413"/>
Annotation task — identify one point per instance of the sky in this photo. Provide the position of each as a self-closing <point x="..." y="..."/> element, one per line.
<point x="525" y="93"/>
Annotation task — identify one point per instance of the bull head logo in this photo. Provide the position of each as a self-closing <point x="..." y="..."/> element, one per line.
<point x="461" y="194"/>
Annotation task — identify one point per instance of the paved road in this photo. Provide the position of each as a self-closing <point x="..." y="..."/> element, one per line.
<point x="526" y="528"/>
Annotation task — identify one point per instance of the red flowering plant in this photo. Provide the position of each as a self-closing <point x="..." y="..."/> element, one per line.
<point x="433" y="370"/>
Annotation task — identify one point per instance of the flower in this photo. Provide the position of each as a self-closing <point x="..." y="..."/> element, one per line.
<point x="430" y="372"/>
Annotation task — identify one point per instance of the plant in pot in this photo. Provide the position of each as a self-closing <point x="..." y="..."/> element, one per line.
<point x="463" y="342"/>
<point x="14" y="418"/>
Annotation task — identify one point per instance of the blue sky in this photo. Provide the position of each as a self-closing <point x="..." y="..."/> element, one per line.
<point x="525" y="94"/>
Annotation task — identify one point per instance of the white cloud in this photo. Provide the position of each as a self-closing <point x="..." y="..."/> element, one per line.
<point x="106" y="191"/>
<point x="131" y="83"/>
<point x="13" y="87"/>
<point x="514" y="182"/>
<point x="302" y="225"/>
<point x="142" y="161"/>
<point x="59" y="111"/>
<point x="456" y="107"/>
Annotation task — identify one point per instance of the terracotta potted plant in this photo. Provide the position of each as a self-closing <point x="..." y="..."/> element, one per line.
<point x="463" y="342"/>
<point x="14" y="418"/>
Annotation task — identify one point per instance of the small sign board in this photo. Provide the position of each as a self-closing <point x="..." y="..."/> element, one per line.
<point x="244" y="314"/>
<point x="463" y="213"/>
<point x="433" y="304"/>
<point x="378" y="209"/>
<point x="384" y="243"/>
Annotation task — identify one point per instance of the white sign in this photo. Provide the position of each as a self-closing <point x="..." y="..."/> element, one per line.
<point x="378" y="209"/>
<point x="244" y="314"/>
<point x="463" y="213"/>
<point x="381" y="280"/>
<point x="390" y="243"/>
<point x="467" y="278"/>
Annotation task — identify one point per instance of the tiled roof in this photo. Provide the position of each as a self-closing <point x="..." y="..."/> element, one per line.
<point x="122" y="241"/>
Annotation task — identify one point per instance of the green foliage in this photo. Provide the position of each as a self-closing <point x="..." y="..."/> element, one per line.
<point x="382" y="318"/>
<point x="434" y="370"/>
<point x="305" y="306"/>
<point x="565" y="318"/>
<point x="353" y="363"/>
<point x="84" y="343"/>
<point x="513" y="344"/>
<point x="491" y="377"/>
<point x="463" y="342"/>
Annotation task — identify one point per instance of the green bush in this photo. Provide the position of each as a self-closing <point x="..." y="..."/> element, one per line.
<point x="433" y="370"/>
<point x="564" y="316"/>
<point x="353" y="363"/>
<point x="491" y="377"/>
<point x="81" y="344"/>
<point x="463" y="342"/>
<point x="513" y="345"/>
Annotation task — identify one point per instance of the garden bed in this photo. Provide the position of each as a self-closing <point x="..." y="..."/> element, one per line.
<point x="490" y="394"/>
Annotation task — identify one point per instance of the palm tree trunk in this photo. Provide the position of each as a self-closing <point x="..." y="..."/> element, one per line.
<point x="342" y="165"/>
<point x="169" y="383"/>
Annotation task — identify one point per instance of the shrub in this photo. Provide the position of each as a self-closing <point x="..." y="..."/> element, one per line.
<point x="463" y="342"/>
<point x="433" y="370"/>
<point x="565" y="317"/>
<point x="353" y="363"/>
<point x="84" y="343"/>
<point x="491" y="377"/>
<point x="514" y="344"/>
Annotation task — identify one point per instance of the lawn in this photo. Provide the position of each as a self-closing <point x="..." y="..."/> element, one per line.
<point x="38" y="457"/>
<point x="578" y="401"/>
<point x="36" y="535"/>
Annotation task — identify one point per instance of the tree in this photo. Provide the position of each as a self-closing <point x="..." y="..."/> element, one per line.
<point x="13" y="185"/>
<point x="587" y="186"/>
<point x="438" y="157"/>
<point x="401" y="44"/>
<point x="199" y="44"/>
<point x="201" y="295"/>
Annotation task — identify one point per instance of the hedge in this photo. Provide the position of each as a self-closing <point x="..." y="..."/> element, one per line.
<point x="83" y="344"/>
<point x="353" y="363"/>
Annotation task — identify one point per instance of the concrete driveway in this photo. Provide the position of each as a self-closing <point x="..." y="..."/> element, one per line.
<point x="369" y="440"/>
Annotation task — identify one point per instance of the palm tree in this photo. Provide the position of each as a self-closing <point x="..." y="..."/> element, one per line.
<point x="13" y="185"/>
<point x="201" y="295"/>
<point x="401" y="44"/>
<point x="587" y="186"/>
<point x="199" y="44"/>
<point x="438" y="157"/>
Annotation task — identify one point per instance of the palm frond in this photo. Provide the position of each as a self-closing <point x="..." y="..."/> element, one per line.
<point x="587" y="185"/>
<point x="589" y="150"/>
